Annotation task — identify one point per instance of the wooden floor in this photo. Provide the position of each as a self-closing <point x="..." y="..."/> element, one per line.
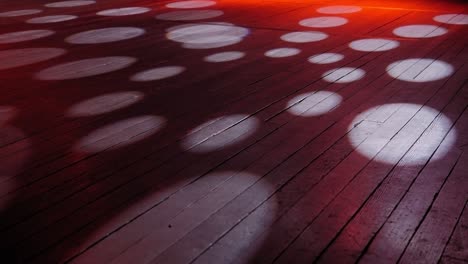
<point x="233" y="131"/>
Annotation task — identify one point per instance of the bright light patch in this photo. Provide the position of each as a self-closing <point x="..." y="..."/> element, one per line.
<point x="190" y="15"/>
<point x="452" y="19"/>
<point x="323" y="22"/>
<point x="17" y="13"/>
<point x="70" y="3"/>
<point x="339" y="9"/>
<point x="191" y="4"/>
<point x="105" y="103"/>
<point x="20" y="57"/>
<point x="325" y="58"/>
<point x="419" y="31"/>
<point x="105" y="35"/>
<point x="157" y="73"/>
<point x="124" y="11"/>
<point x="27" y="35"/>
<point x="304" y="36"/>
<point x="343" y="75"/>
<point x="282" y="52"/>
<point x="120" y="134"/>
<point x="372" y="45"/>
<point x="206" y="36"/>
<point x="420" y="70"/>
<point x="204" y="138"/>
<point x="50" y="19"/>
<point x="314" y="103"/>
<point x="85" y="68"/>
<point x="372" y="145"/>
<point x="224" y="56"/>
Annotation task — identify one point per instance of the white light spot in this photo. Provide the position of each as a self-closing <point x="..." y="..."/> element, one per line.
<point x="206" y="36"/>
<point x="325" y="58"/>
<point x="70" y="3"/>
<point x="373" y="144"/>
<point x="16" y="13"/>
<point x="50" y="19"/>
<point x="191" y="4"/>
<point x="339" y="9"/>
<point x="314" y="103"/>
<point x="371" y="45"/>
<point x="105" y="103"/>
<point x="343" y="75"/>
<point x="209" y="136"/>
<point x="157" y="73"/>
<point x="27" y="35"/>
<point x="419" y="31"/>
<point x="120" y="134"/>
<point x="105" y="35"/>
<point x="452" y="19"/>
<point x="323" y="22"/>
<point x="420" y="70"/>
<point x="282" y="52"/>
<point x="20" y="57"/>
<point x="124" y="11"/>
<point x="189" y="15"/>
<point x="85" y="68"/>
<point x="224" y="56"/>
<point x="304" y="36"/>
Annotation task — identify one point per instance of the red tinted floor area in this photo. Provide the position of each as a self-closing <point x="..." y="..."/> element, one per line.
<point x="230" y="131"/>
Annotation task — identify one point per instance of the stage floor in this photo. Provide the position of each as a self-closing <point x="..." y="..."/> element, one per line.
<point x="233" y="131"/>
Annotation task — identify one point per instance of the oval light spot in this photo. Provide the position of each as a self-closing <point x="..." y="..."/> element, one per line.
<point x="420" y="70"/>
<point x="419" y="31"/>
<point x="323" y="22"/>
<point x="85" y="68"/>
<point x="343" y="75"/>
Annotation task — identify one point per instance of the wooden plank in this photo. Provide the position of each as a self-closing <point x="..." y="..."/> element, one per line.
<point x="456" y="250"/>
<point x="202" y="233"/>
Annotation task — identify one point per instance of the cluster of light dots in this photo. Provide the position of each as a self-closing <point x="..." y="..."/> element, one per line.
<point x="206" y="36"/>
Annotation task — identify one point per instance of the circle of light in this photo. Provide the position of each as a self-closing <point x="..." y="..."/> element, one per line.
<point x="419" y="31"/>
<point x="50" y="19"/>
<point x="196" y="140"/>
<point x="71" y="3"/>
<point x="20" y="57"/>
<point x="85" y="68"/>
<point x="339" y="9"/>
<point x="343" y="75"/>
<point x="127" y="131"/>
<point x="16" y="13"/>
<point x="105" y="35"/>
<point x="20" y="36"/>
<point x="304" y="36"/>
<point x="124" y="11"/>
<point x="206" y="36"/>
<point x="191" y="4"/>
<point x="282" y="52"/>
<point x="325" y="58"/>
<point x="323" y="22"/>
<point x="420" y="70"/>
<point x="313" y="103"/>
<point x="373" y="44"/>
<point x="224" y="56"/>
<point x="452" y="19"/>
<point x="157" y="73"/>
<point x="368" y="148"/>
<point x="105" y="103"/>
<point x="190" y="15"/>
